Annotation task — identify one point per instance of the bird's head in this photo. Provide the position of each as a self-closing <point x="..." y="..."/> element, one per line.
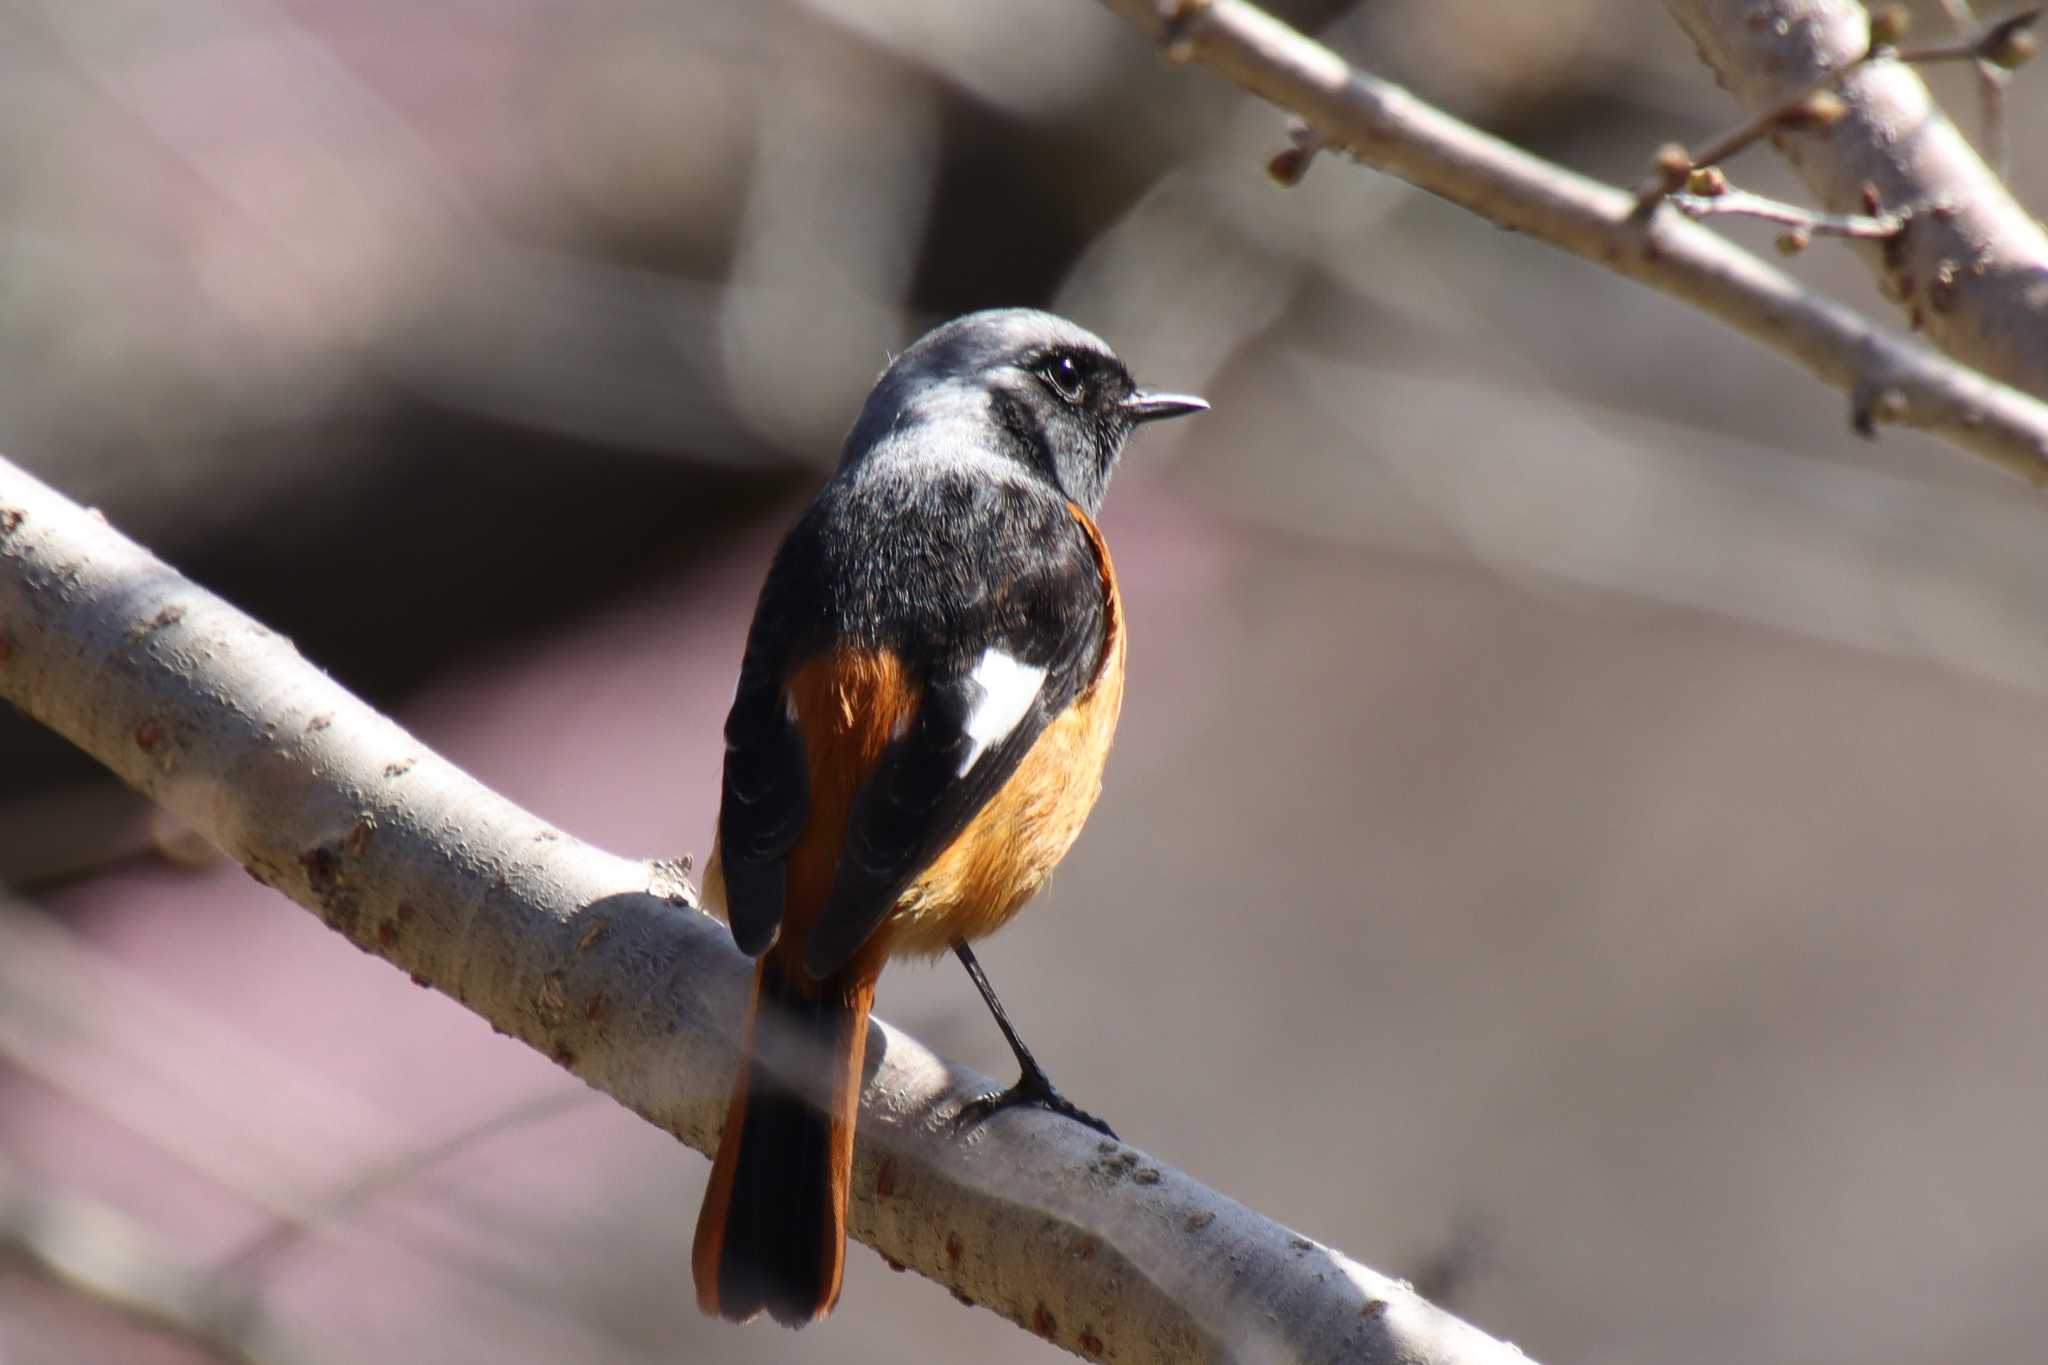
<point x="1031" y="387"/>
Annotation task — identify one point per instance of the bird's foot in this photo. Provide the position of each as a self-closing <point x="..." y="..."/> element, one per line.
<point x="1034" y="1089"/>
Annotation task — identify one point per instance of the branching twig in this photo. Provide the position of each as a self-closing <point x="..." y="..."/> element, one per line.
<point x="1814" y="108"/>
<point x="1385" y="126"/>
<point x="2002" y="47"/>
<point x="1090" y="1243"/>
<point x="2007" y="45"/>
<point x="1972" y="268"/>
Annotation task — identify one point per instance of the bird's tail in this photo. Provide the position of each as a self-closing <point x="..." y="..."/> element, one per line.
<point x="772" y="1232"/>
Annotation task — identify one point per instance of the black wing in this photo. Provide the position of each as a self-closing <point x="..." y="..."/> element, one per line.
<point x="1043" y="609"/>
<point x="766" y="795"/>
<point x="762" y="808"/>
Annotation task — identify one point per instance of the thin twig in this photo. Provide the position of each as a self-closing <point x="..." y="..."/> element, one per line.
<point x="1991" y="82"/>
<point x="1991" y="79"/>
<point x="2007" y="44"/>
<point x="1817" y="107"/>
<point x="1809" y="221"/>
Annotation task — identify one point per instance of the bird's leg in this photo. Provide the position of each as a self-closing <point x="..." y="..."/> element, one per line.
<point x="1032" y="1086"/>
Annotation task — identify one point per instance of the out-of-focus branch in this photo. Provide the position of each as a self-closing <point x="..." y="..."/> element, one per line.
<point x="110" y="1041"/>
<point x="1972" y="267"/>
<point x="1887" y="378"/>
<point x="90" y="1249"/>
<point x="603" y="965"/>
<point x="233" y="1111"/>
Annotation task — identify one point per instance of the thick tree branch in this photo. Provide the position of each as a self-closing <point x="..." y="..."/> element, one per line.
<point x="1972" y="265"/>
<point x="601" y="964"/>
<point x="1887" y="378"/>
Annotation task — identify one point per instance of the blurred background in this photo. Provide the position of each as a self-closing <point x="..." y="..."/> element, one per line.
<point x="1571" y="839"/>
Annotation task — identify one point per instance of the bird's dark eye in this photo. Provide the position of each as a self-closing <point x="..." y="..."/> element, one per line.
<point x="1064" y="375"/>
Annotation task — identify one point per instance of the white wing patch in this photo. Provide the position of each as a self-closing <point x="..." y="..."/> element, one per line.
<point x="1007" y="689"/>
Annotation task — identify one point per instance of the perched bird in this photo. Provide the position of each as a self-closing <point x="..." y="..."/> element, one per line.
<point x="929" y="689"/>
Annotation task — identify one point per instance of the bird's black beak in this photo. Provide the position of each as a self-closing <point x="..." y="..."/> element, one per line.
<point x="1147" y="406"/>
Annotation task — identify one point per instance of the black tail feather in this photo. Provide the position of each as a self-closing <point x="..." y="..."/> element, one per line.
<point x="773" y="1229"/>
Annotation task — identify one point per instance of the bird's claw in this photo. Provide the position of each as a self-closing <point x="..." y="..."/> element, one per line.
<point x="1032" y="1088"/>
